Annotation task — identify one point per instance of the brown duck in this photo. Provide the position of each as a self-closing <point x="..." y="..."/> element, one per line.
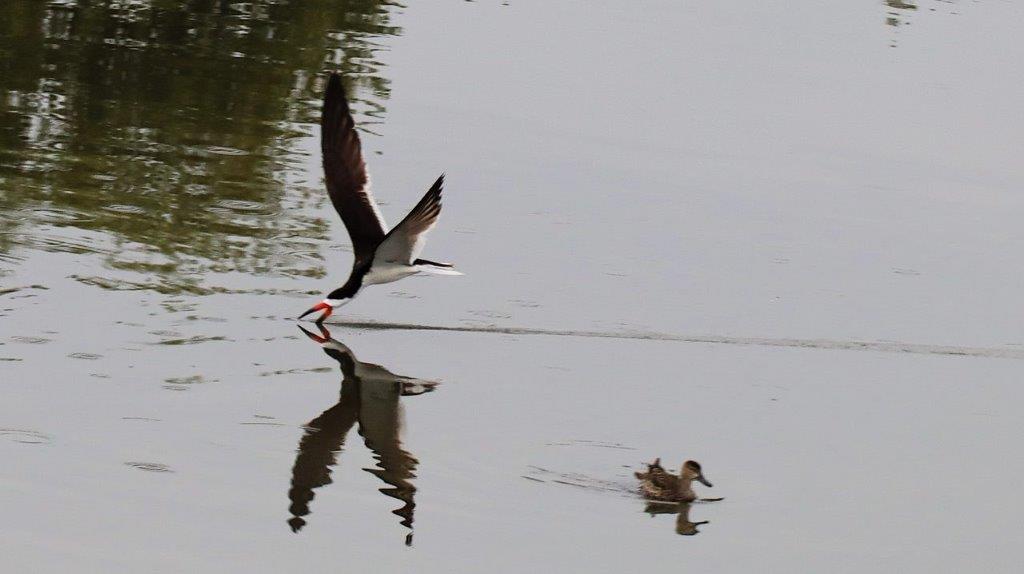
<point x="660" y="484"/>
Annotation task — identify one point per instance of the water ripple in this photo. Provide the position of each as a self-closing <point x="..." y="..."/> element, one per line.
<point x="25" y="436"/>
<point x="149" y="466"/>
<point x="827" y="344"/>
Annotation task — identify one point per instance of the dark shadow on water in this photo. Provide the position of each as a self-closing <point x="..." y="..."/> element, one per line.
<point x="684" y="526"/>
<point x="370" y="401"/>
<point x="826" y="344"/>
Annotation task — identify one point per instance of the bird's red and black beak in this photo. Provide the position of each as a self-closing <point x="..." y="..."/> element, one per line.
<point x="321" y="306"/>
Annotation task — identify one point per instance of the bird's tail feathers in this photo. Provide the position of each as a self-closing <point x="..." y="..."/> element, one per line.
<point x="434" y="268"/>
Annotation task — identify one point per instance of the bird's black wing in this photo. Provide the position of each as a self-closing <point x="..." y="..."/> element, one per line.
<point x="348" y="183"/>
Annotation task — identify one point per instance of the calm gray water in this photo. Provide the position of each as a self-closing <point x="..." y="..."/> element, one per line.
<point x="780" y="238"/>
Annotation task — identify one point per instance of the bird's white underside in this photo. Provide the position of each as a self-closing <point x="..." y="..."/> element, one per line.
<point x="387" y="272"/>
<point x="391" y="272"/>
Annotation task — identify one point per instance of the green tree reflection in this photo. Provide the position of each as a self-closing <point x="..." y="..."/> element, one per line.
<point x="162" y="133"/>
<point x="896" y="10"/>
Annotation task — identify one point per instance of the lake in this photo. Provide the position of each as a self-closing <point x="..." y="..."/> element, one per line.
<point x="779" y="238"/>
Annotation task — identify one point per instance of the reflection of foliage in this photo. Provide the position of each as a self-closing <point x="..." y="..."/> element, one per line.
<point x="893" y="16"/>
<point x="898" y="12"/>
<point x="169" y="125"/>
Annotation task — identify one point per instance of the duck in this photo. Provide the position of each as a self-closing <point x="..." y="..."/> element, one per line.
<point x="661" y="485"/>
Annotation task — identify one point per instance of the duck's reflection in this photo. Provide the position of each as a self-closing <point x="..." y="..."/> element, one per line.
<point x="682" y="511"/>
<point x="370" y="397"/>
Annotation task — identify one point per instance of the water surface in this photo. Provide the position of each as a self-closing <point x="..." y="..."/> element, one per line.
<point x="779" y="238"/>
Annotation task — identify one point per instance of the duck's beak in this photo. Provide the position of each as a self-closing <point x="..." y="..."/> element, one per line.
<point x="703" y="480"/>
<point x="324" y="336"/>
<point x="321" y="306"/>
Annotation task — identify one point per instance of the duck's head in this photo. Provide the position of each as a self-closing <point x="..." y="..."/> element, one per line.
<point x="691" y="471"/>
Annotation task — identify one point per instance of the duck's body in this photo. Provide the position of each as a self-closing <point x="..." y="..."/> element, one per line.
<point x="660" y="484"/>
<point x="381" y="256"/>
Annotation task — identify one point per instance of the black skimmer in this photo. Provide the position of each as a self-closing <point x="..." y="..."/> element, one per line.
<point x="381" y="256"/>
<point x="370" y="397"/>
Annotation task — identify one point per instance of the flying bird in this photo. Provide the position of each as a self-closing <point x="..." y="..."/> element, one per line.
<point x="381" y="256"/>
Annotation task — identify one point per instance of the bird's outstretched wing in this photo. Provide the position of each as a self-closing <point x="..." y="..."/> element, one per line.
<point x="348" y="183"/>
<point x="404" y="243"/>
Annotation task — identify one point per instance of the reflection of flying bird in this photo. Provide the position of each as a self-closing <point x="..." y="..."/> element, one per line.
<point x="370" y="397"/>
<point x="380" y="256"/>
